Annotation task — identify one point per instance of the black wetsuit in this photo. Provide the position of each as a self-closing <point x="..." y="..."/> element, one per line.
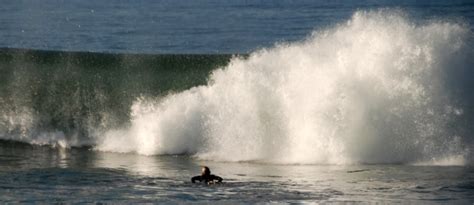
<point x="207" y="178"/>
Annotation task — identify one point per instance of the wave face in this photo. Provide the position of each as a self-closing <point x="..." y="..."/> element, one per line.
<point x="378" y="88"/>
<point x="68" y="99"/>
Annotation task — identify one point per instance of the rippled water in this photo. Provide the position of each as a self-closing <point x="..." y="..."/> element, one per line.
<point x="34" y="174"/>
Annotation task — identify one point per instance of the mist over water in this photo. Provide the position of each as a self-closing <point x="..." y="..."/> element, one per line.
<point x="378" y="88"/>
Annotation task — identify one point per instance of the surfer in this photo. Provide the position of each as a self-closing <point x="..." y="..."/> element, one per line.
<point x="206" y="177"/>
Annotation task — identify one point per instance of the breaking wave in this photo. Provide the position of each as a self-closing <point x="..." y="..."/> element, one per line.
<point x="379" y="88"/>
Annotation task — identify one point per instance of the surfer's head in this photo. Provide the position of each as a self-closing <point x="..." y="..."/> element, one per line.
<point x="205" y="171"/>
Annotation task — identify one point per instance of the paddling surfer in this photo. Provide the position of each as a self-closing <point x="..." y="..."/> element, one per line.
<point x="206" y="177"/>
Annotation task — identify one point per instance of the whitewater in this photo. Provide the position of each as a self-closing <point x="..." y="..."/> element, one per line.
<point x="377" y="88"/>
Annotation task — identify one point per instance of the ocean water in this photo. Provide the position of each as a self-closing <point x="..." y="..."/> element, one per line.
<point x="32" y="174"/>
<point x="288" y="101"/>
<point x="205" y="26"/>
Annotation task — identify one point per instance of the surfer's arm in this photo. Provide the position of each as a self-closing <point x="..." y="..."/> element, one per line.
<point x="218" y="178"/>
<point x="196" y="178"/>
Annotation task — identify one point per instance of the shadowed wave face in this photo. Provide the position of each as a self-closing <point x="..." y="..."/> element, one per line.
<point x="377" y="88"/>
<point x="65" y="98"/>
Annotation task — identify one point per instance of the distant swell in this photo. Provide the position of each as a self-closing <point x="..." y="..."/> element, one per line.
<point x="378" y="88"/>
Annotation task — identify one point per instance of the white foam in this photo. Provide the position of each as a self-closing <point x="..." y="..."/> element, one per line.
<point x="20" y="126"/>
<point x="455" y="160"/>
<point x="369" y="90"/>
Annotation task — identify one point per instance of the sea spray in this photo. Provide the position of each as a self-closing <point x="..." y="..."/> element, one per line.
<point x="379" y="88"/>
<point x="370" y="90"/>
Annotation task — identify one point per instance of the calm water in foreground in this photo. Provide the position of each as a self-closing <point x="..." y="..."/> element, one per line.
<point x="41" y="174"/>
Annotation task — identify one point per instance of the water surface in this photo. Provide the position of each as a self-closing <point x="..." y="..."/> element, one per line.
<point x="33" y="174"/>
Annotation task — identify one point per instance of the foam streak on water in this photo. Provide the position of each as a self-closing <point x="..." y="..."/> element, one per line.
<point x="370" y="90"/>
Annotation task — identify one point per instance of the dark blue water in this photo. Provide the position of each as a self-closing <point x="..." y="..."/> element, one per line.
<point x="48" y="98"/>
<point x="206" y="26"/>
